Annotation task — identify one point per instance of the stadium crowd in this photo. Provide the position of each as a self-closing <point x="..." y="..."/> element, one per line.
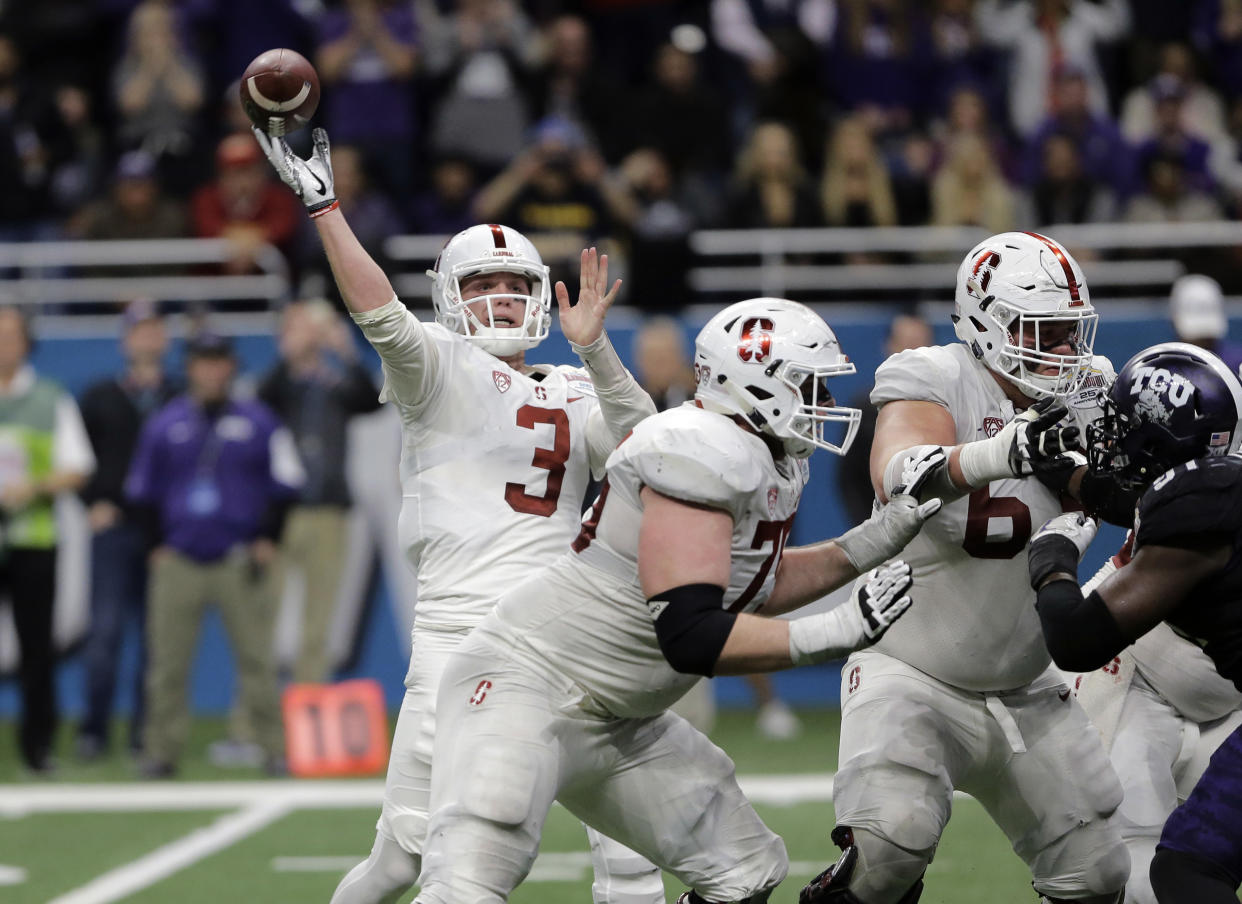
<point x="634" y="121"/>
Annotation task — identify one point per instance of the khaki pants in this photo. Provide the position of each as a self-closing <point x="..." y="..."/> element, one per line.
<point x="180" y="591"/>
<point x="314" y="544"/>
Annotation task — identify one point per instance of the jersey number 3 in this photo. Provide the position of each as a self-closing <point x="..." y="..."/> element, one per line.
<point x="551" y="460"/>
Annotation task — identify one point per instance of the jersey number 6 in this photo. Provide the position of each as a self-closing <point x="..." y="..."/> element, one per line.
<point x="983" y="508"/>
<point x="552" y="460"/>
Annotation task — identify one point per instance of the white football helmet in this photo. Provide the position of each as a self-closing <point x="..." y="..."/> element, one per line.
<point x="768" y="360"/>
<point x="1009" y="286"/>
<point x="490" y="248"/>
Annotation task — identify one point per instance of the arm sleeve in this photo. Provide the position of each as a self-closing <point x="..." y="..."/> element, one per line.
<point x="622" y="402"/>
<point x="71" y="448"/>
<point x="1081" y="634"/>
<point x="411" y="360"/>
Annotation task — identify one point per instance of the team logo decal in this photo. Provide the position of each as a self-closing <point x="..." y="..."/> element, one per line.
<point x="1160" y="392"/>
<point x="502" y="380"/>
<point x="755" y="344"/>
<point x="480" y="692"/>
<point x="854" y="679"/>
<point x="981" y="273"/>
<point x="992" y="426"/>
<point x="773" y="496"/>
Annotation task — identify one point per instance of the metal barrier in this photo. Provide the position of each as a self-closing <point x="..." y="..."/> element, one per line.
<point x="44" y="272"/>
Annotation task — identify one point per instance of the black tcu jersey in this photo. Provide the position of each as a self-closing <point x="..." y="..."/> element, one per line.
<point x="1196" y="505"/>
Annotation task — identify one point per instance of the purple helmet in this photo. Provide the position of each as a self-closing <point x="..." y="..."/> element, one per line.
<point x="1171" y="403"/>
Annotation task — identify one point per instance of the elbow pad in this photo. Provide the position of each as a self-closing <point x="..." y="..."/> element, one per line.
<point x="691" y="626"/>
<point x="1081" y="634"/>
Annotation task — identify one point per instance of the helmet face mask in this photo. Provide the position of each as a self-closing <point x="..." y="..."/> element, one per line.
<point x="1170" y="404"/>
<point x="486" y="249"/>
<point x="767" y="360"/>
<point x="1019" y="295"/>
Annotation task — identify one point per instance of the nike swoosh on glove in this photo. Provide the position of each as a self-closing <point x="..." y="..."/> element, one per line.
<point x="311" y="180"/>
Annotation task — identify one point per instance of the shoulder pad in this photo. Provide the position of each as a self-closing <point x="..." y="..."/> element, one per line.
<point x="1200" y="496"/>
<point x="916" y="375"/>
<point x="696" y="456"/>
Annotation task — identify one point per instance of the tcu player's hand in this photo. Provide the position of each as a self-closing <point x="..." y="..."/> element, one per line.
<point x="881" y="600"/>
<point x="311" y="180"/>
<point x="895" y="524"/>
<point x="583" y="322"/>
<point x="1059" y="545"/>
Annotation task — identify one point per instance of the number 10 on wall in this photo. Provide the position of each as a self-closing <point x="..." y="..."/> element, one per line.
<point x="335" y="729"/>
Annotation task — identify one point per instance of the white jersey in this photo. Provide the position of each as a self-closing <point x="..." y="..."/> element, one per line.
<point x="586" y="617"/>
<point x="495" y="464"/>
<point x="1184" y="675"/>
<point x="974" y="624"/>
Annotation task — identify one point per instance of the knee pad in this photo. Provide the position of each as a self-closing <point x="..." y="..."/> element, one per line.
<point x="883" y="871"/>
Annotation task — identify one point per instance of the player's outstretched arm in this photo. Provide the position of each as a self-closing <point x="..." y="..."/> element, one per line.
<point x="362" y="282"/>
<point x="905" y="430"/>
<point x="683" y="566"/>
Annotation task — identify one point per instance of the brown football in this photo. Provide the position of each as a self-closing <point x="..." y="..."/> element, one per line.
<point x="279" y="91"/>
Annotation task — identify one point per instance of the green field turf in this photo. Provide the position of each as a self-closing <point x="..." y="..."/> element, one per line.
<point x="298" y="855"/>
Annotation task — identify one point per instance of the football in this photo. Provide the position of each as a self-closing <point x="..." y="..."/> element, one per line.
<point x="279" y="91"/>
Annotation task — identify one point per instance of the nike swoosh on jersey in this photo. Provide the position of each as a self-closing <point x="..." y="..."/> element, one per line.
<point x="572" y="399"/>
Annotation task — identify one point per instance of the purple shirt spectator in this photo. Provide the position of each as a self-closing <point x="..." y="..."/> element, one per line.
<point x="212" y="479"/>
<point x="367" y="103"/>
<point x="1106" y="158"/>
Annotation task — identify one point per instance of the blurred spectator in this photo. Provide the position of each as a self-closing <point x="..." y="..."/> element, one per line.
<point x="480" y="56"/>
<point x="854" y="470"/>
<point x="376" y="217"/>
<point x="959" y="55"/>
<point x="315" y="389"/>
<point x="856" y="190"/>
<point x="213" y="478"/>
<point x="1169" y="135"/>
<point x="770" y="187"/>
<point x="660" y="232"/>
<point x="237" y="31"/>
<point x="43" y="451"/>
<point x="558" y="192"/>
<point x="1197" y="309"/>
<point x="135" y="207"/>
<point x="570" y="84"/>
<point x="877" y="62"/>
<point x="158" y="86"/>
<point x="1167" y="197"/>
<point x="969" y="189"/>
<point x="447" y="206"/>
<point x="245" y="205"/>
<point x="684" y="119"/>
<point x="366" y="58"/>
<point x="23" y="156"/>
<point x="1063" y="193"/>
<point x="1202" y="111"/>
<point x="76" y="151"/>
<point x="910" y="173"/>
<point x="967" y="113"/>
<point x="1044" y="36"/>
<point x="1217" y="34"/>
<point x="775" y="47"/>
<point x="114" y="410"/>
<point x="1106" y="158"/>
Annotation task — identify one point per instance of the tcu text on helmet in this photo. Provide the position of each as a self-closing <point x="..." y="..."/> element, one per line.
<point x="1177" y="388"/>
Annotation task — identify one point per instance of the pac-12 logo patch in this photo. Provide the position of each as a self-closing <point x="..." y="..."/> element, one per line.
<point x="502" y="380"/>
<point x="755" y="344"/>
<point x="480" y="692"/>
<point x="992" y="426"/>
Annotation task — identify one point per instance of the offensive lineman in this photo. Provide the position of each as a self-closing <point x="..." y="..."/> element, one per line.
<point x="1170" y="428"/>
<point x="562" y="691"/>
<point x="961" y="694"/>
<point x="496" y="458"/>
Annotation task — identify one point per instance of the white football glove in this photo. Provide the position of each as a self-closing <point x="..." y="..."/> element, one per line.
<point x="892" y="526"/>
<point x="1076" y="527"/>
<point x="881" y="600"/>
<point x="1048" y="553"/>
<point x="311" y="180"/>
<point x="1032" y="438"/>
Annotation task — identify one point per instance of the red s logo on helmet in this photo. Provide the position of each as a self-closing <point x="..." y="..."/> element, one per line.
<point x="755" y="344"/>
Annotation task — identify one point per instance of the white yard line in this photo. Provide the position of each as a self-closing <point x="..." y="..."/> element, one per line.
<point x="175" y="856"/>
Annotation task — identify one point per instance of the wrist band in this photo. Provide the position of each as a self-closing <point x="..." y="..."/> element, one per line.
<point x="322" y="207"/>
